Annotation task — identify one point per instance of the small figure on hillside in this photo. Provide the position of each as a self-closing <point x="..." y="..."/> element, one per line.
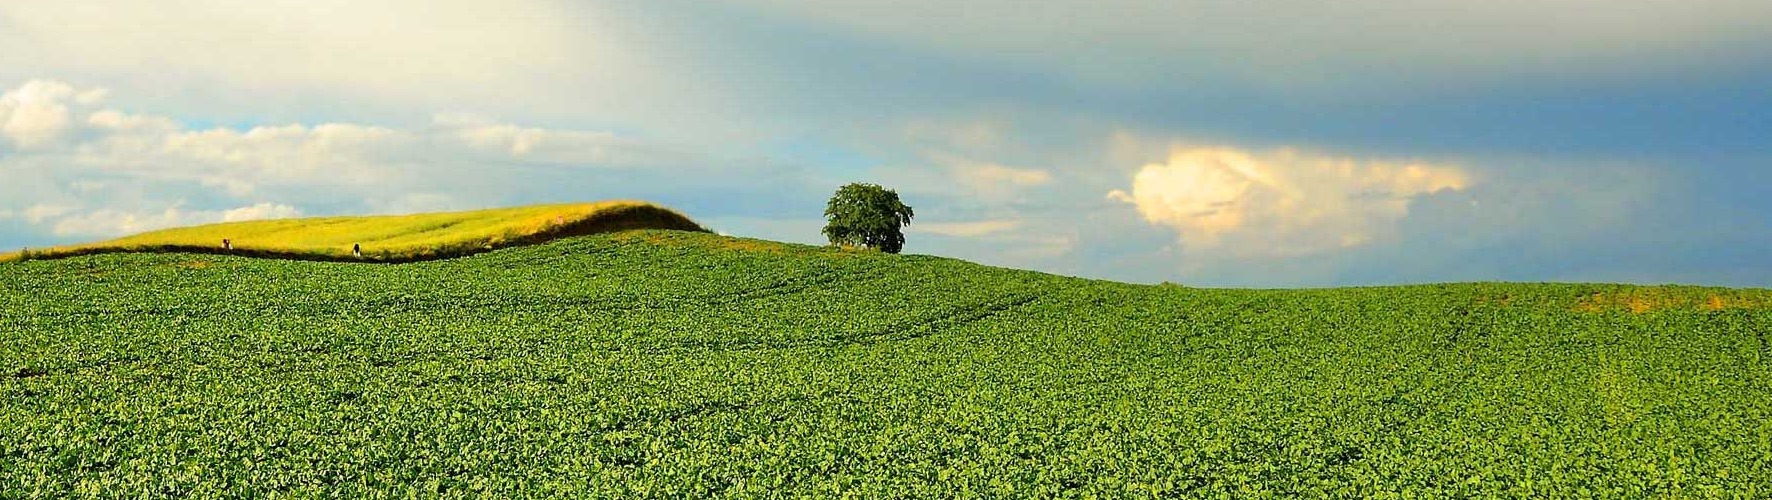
<point x="357" y="250"/>
<point x="227" y="244"/>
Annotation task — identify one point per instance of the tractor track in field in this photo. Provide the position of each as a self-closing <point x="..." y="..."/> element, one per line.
<point x="384" y="305"/>
<point x="701" y="409"/>
<point x="911" y="330"/>
<point x="940" y="324"/>
<point x="784" y="287"/>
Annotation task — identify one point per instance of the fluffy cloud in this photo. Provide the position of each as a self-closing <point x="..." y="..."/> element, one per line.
<point x="109" y="222"/>
<point x="968" y="159"/>
<point x="990" y="180"/>
<point x="1013" y="243"/>
<point x="393" y="46"/>
<point x="36" y="214"/>
<point x="1283" y="203"/>
<point x="37" y="114"/>
<point x="548" y="146"/>
<point x="386" y="61"/>
<point x="81" y="168"/>
<point x="986" y="175"/>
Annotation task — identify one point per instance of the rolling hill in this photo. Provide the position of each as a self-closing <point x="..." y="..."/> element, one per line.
<point x="678" y="364"/>
<point x="389" y="238"/>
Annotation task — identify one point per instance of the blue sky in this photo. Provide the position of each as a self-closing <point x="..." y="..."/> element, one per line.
<point x="1271" y="144"/>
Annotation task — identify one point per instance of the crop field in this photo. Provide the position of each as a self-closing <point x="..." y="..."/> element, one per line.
<point x="681" y="364"/>
<point x="390" y="238"/>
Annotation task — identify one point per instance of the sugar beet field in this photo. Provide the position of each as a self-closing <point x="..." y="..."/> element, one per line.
<point x="667" y="364"/>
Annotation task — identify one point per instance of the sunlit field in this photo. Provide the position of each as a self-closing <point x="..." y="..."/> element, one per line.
<point x="396" y="238"/>
<point x="676" y="364"/>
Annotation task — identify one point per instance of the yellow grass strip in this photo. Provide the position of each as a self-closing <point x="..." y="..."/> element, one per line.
<point x="392" y="238"/>
<point x="1641" y="300"/>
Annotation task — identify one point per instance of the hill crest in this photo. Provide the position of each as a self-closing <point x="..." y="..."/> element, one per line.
<point x="388" y="238"/>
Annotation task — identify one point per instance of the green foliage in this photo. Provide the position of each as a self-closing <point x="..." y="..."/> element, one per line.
<point x="684" y="365"/>
<point x="867" y="215"/>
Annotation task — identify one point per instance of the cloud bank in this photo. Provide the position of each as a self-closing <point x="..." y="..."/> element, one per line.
<point x="104" y="222"/>
<point x="37" y="114"/>
<point x="1294" y="44"/>
<point x="81" y="168"/>
<point x="1282" y="203"/>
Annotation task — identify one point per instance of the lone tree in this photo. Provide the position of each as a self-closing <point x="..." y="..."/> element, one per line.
<point x="867" y="215"/>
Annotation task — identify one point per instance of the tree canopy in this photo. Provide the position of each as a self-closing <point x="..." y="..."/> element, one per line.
<point x="867" y="215"/>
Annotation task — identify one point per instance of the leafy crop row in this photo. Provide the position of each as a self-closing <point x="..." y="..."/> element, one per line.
<point x="664" y="364"/>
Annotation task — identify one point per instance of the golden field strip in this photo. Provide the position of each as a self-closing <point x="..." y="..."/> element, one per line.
<point x="391" y="238"/>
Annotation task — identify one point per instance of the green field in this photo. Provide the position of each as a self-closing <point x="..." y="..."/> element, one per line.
<point x="673" y="364"/>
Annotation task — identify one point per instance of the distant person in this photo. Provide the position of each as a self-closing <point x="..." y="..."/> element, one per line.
<point x="357" y="250"/>
<point x="227" y="244"/>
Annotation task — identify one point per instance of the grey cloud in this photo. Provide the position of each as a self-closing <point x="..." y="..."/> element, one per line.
<point x="1291" y="44"/>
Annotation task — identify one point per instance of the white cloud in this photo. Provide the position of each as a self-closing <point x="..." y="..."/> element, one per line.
<point x="389" y="45"/>
<point x="967" y="158"/>
<point x="285" y="60"/>
<point x="118" y="122"/>
<point x="547" y="146"/>
<point x="411" y="203"/>
<point x="796" y="230"/>
<point x="989" y="175"/>
<point x="111" y="222"/>
<point x="337" y="154"/>
<point x="1015" y="243"/>
<point x="1282" y="203"/>
<point x="98" y="161"/>
<point x="36" y="114"/>
<point x="987" y="179"/>
<point x="967" y="229"/>
<point x="36" y="214"/>
<point x="259" y="212"/>
<point x="1033" y="247"/>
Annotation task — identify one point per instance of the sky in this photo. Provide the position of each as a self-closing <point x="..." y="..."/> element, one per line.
<point x="1204" y="142"/>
